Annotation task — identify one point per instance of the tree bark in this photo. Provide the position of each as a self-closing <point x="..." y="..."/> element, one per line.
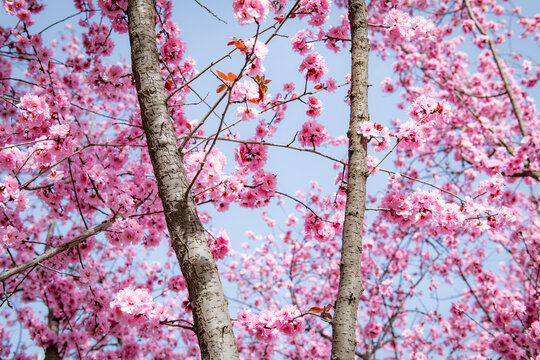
<point x="209" y="305"/>
<point x="350" y="282"/>
<point x="51" y="352"/>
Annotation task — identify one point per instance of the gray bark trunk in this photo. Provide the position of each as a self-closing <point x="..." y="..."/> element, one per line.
<point x="52" y="353"/>
<point x="350" y="282"/>
<point x="209" y="305"/>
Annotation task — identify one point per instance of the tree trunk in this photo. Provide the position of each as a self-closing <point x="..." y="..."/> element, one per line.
<point x="350" y="282"/>
<point x="209" y="305"/>
<point x="51" y="352"/>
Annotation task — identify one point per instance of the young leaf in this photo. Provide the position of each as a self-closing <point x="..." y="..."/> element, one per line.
<point x="315" y="309"/>
<point x="231" y="76"/>
<point x="221" y="87"/>
<point x="222" y="75"/>
<point x="240" y="45"/>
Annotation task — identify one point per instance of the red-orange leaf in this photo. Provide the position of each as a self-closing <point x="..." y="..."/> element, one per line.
<point x="327" y="316"/>
<point x="319" y="86"/>
<point x="222" y="75"/>
<point x="231" y="76"/>
<point x="221" y="87"/>
<point x="315" y="309"/>
<point x="240" y="45"/>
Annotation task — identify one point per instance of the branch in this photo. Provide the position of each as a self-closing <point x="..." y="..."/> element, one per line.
<point x="57" y="250"/>
<point x="285" y="146"/>
<point x="507" y="86"/>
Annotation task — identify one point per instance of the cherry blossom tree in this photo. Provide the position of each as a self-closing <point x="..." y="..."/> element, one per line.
<point x="111" y="186"/>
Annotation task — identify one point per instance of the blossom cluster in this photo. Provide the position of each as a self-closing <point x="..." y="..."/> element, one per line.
<point x="403" y="28"/>
<point x="249" y="11"/>
<point x="136" y="307"/>
<point x="220" y="246"/>
<point x="314" y="66"/>
<point x="269" y="324"/>
<point x="312" y="134"/>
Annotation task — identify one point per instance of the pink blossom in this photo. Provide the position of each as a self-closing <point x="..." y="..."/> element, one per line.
<point x="336" y="33"/>
<point x="498" y="10"/>
<point x="386" y="287"/>
<point x="176" y="283"/>
<point x="368" y="130"/>
<point x="125" y="231"/>
<point x="288" y="87"/>
<point x="265" y="183"/>
<point x="315" y="107"/>
<point x="249" y="11"/>
<point x="97" y="40"/>
<point x="371" y="161"/>
<point x="220" y="246"/>
<point x="372" y="329"/>
<point x="245" y="90"/>
<point x="34" y="110"/>
<point x="288" y="320"/>
<point x="258" y="48"/>
<point x="300" y="41"/>
<point x="312" y="134"/>
<point x="317" y="10"/>
<point x="246" y="113"/>
<point x="467" y="26"/>
<point x="88" y="275"/>
<point x="132" y="306"/>
<point x="11" y="159"/>
<point x="387" y="85"/>
<point x="493" y="186"/>
<point x="113" y="73"/>
<point x="330" y="85"/>
<point x="400" y="25"/>
<point x="315" y="67"/>
<point x="411" y="133"/>
<point x="251" y="157"/>
<point x="212" y="167"/>
<point x="173" y="49"/>
<point x="59" y="131"/>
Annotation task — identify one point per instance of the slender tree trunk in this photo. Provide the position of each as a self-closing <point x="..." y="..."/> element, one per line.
<point x="350" y="282"/>
<point x="209" y="305"/>
<point x="51" y="352"/>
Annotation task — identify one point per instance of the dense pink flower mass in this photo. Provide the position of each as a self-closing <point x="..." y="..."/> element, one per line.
<point x="312" y="134"/>
<point x="451" y="240"/>
<point x="251" y="157"/>
<point x="249" y="11"/>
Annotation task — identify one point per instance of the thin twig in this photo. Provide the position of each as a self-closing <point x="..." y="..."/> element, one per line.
<point x="423" y="182"/>
<point x="210" y="11"/>
<point x="507" y="86"/>
<point x="285" y="146"/>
